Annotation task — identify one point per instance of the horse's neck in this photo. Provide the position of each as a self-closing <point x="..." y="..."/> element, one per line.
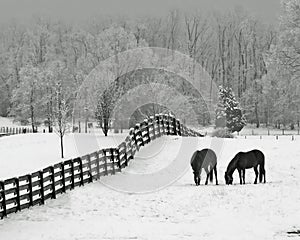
<point x="232" y="166"/>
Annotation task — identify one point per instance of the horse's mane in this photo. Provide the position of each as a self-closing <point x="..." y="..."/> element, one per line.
<point x="232" y="164"/>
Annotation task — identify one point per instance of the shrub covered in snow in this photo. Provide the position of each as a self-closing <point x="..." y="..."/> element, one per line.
<point x="222" y="133"/>
<point x="228" y="113"/>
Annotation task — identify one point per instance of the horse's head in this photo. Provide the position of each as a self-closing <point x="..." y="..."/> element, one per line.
<point x="197" y="178"/>
<point x="228" y="178"/>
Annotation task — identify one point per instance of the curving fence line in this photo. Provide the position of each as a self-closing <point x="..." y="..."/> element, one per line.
<point x="33" y="189"/>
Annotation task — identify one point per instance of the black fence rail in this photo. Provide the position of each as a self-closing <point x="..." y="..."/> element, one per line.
<point x="36" y="188"/>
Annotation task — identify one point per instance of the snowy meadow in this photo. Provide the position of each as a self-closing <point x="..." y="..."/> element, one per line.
<point x="180" y="210"/>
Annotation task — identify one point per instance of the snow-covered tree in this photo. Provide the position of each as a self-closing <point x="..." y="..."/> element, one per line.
<point x="110" y="43"/>
<point x="62" y="115"/>
<point x="27" y="96"/>
<point x="288" y="48"/>
<point x="228" y="113"/>
<point x="62" y="110"/>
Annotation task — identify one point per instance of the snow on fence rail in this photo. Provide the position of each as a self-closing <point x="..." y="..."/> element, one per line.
<point x="35" y="188"/>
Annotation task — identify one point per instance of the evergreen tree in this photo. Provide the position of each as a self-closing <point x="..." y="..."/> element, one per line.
<point x="228" y="113"/>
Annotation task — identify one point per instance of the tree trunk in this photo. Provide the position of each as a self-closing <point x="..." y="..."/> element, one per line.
<point x="62" y="146"/>
<point x="49" y="126"/>
<point x="32" y="118"/>
<point x="256" y="115"/>
<point x="105" y="127"/>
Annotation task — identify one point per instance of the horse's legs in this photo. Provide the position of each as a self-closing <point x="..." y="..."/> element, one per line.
<point x="196" y="179"/>
<point x="264" y="175"/>
<point x="199" y="176"/>
<point x="207" y="176"/>
<point x="244" y="174"/>
<point x="256" y="174"/>
<point x="240" y="174"/>
<point x="215" y="170"/>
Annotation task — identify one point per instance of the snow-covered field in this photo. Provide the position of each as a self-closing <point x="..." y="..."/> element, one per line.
<point x="26" y="153"/>
<point x="178" y="211"/>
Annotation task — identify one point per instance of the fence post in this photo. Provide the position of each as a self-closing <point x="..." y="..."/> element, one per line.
<point x="30" y="189"/>
<point x="141" y="134"/>
<point x="2" y="192"/>
<point x="72" y="175"/>
<point x="118" y="158"/>
<point x="129" y="141"/>
<point x="81" y="173"/>
<point x="112" y="159"/>
<point x="153" y="127"/>
<point x="174" y="126"/>
<point x="90" y="167"/>
<point x="53" y="183"/>
<point x="42" y="186"/>
<point x="105" y="162"/>
<point x="132" y="132"/>
<point x="167" y="117"/>
<point x="179" y="127"/>
<point x="125" y="154"/>
<point x="157" y="120"/>
<point x="62" y="166"/>
<point x="98" y="165"/>
<point x="148" y="131"/>
<point x="163" y="121"/>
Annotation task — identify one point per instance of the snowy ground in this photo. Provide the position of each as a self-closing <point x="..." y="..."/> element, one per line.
<point x="252" y="130"/>
<point x="26" y="153"/>
<point x="178" y="211"/>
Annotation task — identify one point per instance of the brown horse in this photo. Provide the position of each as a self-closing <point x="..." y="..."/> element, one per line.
<point x="243" y="161"/>
<point x="207" y="160"/>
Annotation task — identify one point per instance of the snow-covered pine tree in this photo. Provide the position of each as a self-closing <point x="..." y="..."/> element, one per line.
<point x="228" y="113"/>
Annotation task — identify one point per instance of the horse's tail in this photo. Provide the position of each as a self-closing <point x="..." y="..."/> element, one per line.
<point x="262" y="171"/>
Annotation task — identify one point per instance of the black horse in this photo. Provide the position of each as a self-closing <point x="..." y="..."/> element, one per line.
<point x="244" y="160"/>
<point x="206" y="159"/>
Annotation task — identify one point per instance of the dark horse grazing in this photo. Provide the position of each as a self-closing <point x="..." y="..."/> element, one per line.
<point x="206" y="159"/>
<point x="244" y="160"/>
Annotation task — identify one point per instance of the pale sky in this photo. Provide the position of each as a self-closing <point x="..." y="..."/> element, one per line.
<point x="76" y="10"/>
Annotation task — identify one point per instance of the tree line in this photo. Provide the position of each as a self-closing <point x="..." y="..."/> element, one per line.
<point x="43" y="63"/>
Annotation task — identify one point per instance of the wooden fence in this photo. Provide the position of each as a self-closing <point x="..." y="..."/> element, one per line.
<point x="14" y="130"/>
<point x="34" y="189"/>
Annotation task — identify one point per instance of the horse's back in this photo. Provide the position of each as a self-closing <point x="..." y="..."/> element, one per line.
<point x="251" y="158"/>
<point x="203" y="158"/>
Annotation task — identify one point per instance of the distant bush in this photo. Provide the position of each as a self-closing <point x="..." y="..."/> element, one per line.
<point x="221" y="133"/>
